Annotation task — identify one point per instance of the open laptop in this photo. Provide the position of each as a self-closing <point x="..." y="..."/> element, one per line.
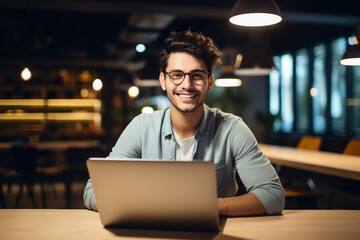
<point x="155" y="194"/>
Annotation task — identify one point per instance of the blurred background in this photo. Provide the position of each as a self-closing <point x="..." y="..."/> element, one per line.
<point x="73" y="74"/>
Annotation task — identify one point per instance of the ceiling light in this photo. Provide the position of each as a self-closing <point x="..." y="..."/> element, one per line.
<point x="352" y="54"/>
<point x="255" y="13"/>
<point x="255" y="59"/>
<point x="228" y="78"/>
<point x="228" y="82"/>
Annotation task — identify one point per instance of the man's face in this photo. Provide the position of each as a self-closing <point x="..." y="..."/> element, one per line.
<point x="185" y="97"/>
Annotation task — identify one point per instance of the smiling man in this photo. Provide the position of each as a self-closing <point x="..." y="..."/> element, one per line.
<point x="191" y="131"/>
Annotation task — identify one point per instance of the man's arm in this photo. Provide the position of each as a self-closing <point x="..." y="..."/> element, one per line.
<point x="244" y="205"/>
<point x="127" y="146"/>
<point x="258" y="176"/>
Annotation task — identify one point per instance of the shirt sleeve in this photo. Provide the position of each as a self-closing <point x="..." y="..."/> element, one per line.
<point x="255" y="170"/>
<point x="89" y="197"/>
<point x="129" y="143"/>
<point x="127" y="146"/>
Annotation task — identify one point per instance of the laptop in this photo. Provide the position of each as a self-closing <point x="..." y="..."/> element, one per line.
<point x="171" y="195"/>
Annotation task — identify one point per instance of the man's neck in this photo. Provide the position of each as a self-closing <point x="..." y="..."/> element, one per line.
<point x="185" y="124"/>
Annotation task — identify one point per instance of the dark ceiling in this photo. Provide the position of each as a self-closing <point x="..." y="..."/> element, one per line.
<point x="103" y="34"/>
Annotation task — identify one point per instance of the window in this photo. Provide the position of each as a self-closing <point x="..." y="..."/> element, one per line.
<point x="318" y="90"/>
<point x="338" y="85"/>
<point x="323" y="98"/>
<point x="355" y="102"/>
<point x="302" y="89"/>
<point x="274" y="89"/>
<point x="274" y="100"/>
<point x="287" y="113"/>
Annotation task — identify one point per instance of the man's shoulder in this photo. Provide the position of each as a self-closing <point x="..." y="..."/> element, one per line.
<point x="217" y="113"/>
<point x="156" y="115"/>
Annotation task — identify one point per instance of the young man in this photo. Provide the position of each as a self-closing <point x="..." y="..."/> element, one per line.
<point x="191" y="131"/>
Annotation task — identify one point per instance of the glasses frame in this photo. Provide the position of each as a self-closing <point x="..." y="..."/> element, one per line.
<point x="207" y="74"/>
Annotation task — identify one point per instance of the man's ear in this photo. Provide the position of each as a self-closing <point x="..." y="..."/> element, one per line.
<point x="211" y="82"/>
<point x="162" y="79"/>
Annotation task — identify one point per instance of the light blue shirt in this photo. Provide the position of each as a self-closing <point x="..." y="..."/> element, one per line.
<point x="222" y="138"/>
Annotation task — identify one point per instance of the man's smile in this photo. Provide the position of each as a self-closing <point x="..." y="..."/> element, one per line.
<point x="182" y="95"/>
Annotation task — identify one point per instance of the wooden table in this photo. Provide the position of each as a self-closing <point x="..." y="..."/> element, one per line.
<point x="334" y="164"/>
<point x="61" y="224"/>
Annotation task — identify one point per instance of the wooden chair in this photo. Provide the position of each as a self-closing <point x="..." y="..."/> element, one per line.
<point x="25" y="162"/>
<point x="310" y="143"/>
<point x="306" y="195"/>
<point x="353" y="147"/>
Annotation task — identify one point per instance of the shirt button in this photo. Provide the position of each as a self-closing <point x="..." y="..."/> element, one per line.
<point x="171" y="157"/>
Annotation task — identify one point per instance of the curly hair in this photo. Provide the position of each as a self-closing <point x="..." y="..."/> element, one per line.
<point x="193" y="43"/>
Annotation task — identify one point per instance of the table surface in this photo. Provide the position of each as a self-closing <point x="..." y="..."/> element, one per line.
<point x="335" y="164"/>
<point x="84" y="224"/>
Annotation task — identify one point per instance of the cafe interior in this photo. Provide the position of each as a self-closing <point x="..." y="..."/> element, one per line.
<point x="73" y="74"/>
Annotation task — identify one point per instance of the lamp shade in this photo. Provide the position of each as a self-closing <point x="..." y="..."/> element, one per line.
<point x="255" y="13"/>
<point x="351" y="56"/>
<point x="255" y="58"/>
<point x="228" y="80"/>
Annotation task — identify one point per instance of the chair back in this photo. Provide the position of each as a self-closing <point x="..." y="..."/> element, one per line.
<point x="309" y="142"/>
<point x="353" y="147"/>
<point x="24" y="157"/>
<point x="76" y="159"/>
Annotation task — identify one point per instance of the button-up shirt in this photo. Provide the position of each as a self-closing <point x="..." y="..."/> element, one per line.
<point x="222" y="138"/>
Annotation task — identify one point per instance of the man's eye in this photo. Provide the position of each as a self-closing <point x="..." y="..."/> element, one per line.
<point x="176" y="75"/>
<point x="197" y="76"/>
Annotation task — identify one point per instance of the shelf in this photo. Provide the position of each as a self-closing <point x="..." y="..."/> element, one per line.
<point x="38" y="114"/>
<point x="94" y="104"/>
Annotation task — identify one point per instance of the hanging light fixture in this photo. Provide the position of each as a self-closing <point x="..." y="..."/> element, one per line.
<point x="256" y="58"/>
<point x="255" y="13"/>
<point x="227" y="77"/>
<point x="351" y="56"/>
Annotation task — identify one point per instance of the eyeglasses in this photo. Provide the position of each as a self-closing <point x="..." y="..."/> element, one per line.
<point x="198" y="77"/>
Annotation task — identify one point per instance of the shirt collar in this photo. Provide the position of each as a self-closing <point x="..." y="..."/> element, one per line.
<point x="167" y="129"/>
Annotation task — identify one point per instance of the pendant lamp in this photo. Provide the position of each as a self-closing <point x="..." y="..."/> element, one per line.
<point x="255" y="58"/>
<point x="351" y="56"/>
<point x="255" y="13"/>
<point x="227" y="77"/>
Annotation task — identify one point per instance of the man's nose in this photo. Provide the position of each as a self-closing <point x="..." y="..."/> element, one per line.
<point x="187" y="83"/>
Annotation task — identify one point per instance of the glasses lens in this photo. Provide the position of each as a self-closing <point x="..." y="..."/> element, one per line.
<point x="198" y="77"/>
<point x="176" y="76"/>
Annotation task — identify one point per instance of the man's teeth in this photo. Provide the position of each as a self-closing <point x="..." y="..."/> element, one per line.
<point x="187" y="96"/>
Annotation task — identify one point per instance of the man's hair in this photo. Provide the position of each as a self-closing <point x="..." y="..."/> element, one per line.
<point x="196" y="44"/>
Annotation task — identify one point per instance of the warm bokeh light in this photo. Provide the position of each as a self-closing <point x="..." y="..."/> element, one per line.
<point x="255" y="19"/>
<point x="84" y="93"/>
<point x="140" y="48"/>
<point x="313" y="92"/>
<point x="97" y="84"/>
<point x="26" y="74"/>
<point x="133" y="91"/>
<point x="147" y="109"/>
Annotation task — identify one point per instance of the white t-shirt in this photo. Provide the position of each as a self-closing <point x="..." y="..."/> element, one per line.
<point x="184" y="148"/>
